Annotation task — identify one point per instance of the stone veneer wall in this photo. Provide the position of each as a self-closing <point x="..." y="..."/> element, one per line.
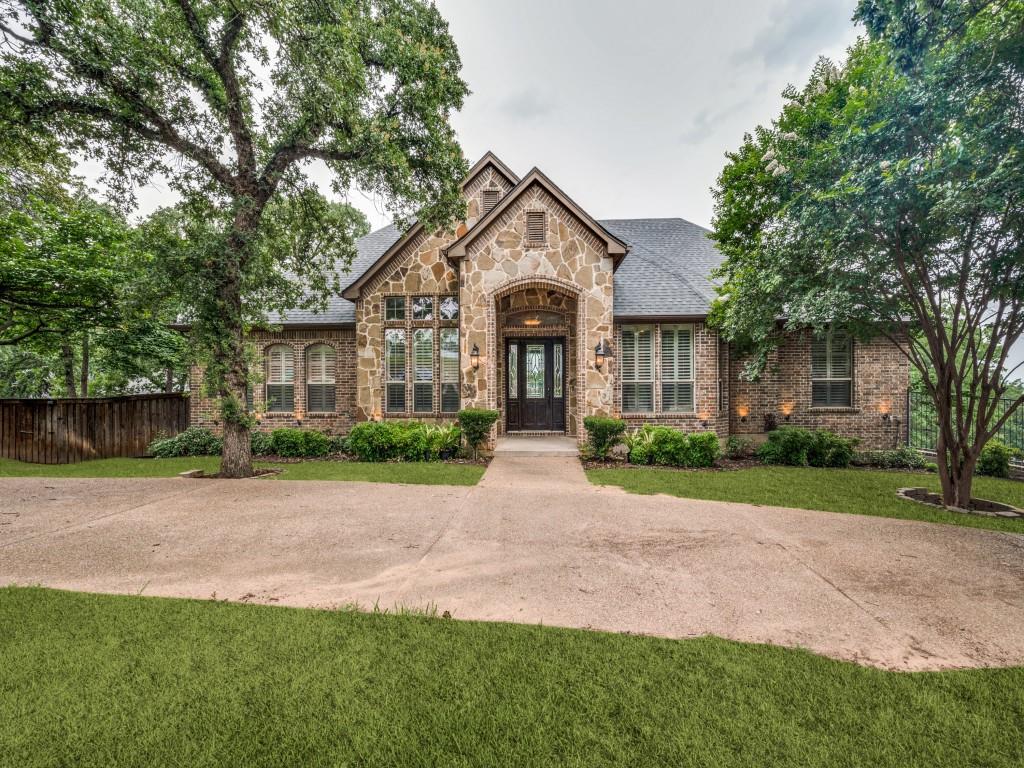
<point x="418" y="269"/>
<point x="572" y="260"/>
<point x="881" y="375"/>
<point x="203" y="409"/>
<point x="709" y="366"/>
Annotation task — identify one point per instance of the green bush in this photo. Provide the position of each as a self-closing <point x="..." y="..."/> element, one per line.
<point x="828" y="449"/>
<point x="738" y="447"/>
<point x="670" y="447"/>
<point x="704" y="449"/>
<point x="290" y="442"/>
<point x="373" y="441"/>
<point x="995" y="459"/>
<point x="261" y="444"/>
<point x="476" y="424"/>
<point x="904" y="457"/>
<point x="603" y="434"/>
<point x="799" y="447"/>
<point x="443" y="441"/>
<point x="402" y="441"/>
<point x="638" y="444"/>
<point x="194" y="441"/>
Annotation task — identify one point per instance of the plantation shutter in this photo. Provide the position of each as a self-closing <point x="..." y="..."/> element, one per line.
<point x="536" y="226"/>
<point x="320" y="385"/>
<point x="637" y="369"/>
<point x="423" y="370"/>
<point x="676" y="369"/>
<point x="832" y="370"/>
<point x="449" y="370"/>
<point x="490" y="200"/>
<point x="394" y="370"/>
<point x="280" y="387"/>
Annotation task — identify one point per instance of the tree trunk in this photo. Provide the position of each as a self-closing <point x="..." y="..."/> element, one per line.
<point x="169" y="380"/>
<point x="67" y="356"/>
<point x="85" y="364"/>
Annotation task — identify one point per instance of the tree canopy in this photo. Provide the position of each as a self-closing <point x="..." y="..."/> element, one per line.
<point x="887" y="198"/>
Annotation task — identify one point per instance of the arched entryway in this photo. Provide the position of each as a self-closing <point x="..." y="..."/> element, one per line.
<point x="536" y="350"/>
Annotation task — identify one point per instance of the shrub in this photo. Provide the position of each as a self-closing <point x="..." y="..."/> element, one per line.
<point x="194" y="441"/>
<point x="704" y="449"/>
<point x="786" y="445"/>
<point x="476" y="424"/>
<point x="443" y="441"/>
<point x="799" y="447"/>
<point x="670" y="447"/>
<point x="297" y="443"/>
<point x="603" y="434"/>
<point x="931" y="466"/>
<point x="904" y="457"/>
<point x="995" y="459"/>
<point x="828" y="449"/>
<point x="410" y="441"/>
<point x="372" y="441"/>
<point x="738" y="447"/>
<point x="638" y="443"/>
<point x="261" y="444"/>
<point x="402" y="441"/>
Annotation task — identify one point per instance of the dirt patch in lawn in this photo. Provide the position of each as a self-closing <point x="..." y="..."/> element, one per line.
<point x="978" y="506"/>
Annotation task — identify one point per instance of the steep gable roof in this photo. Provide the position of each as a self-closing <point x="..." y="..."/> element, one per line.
<point x="616" y="248"/>
<point x="489" y="159"/>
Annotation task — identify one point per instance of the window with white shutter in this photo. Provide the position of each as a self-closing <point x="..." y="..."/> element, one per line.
<point x="449" y="370"/>
<point x="536" y="227"/>
<point x="832" y="370"/>
<point x="677" y="368"/>
<point x="280" y="386"/>
<point x="320" y="379"/>
<point x="394" y="370"/>
<point x="490" y="200"/>
<point x="637" y="368"/>
<point x="423" y="370"/>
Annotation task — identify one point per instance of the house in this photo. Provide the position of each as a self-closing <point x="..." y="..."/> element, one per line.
<point x="534" y="308"/>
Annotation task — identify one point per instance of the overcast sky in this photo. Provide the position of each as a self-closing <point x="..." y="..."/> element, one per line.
<point x="628" y="106"/>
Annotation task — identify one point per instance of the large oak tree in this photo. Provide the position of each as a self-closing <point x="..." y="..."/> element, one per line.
<point x="888" y="197"/>
<point x="232" y="101"/>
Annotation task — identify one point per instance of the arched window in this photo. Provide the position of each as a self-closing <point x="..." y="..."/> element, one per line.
<point x="280" y="362"/>
<point x="320" y="379"/>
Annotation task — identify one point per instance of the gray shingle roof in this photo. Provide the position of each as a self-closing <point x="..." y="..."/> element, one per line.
<point x="666" y="272"/>
<point x="342" y="311"/>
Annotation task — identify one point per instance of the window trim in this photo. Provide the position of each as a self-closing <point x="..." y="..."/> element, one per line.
<point x="829" y="378"/>
<point x="405" y="307"/>
<point x="692" y="380"/>
<point x="391" y="382"/>
<point x="284" y="383"/>
<point x="623" y="381"/>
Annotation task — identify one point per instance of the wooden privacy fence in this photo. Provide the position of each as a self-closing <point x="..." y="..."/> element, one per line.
<point x="68" y="430"/>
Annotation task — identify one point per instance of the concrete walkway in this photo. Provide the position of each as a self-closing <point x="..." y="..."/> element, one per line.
<point x="535" y="542"/>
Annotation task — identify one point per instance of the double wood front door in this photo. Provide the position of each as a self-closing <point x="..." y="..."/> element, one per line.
<point x="535" y="385"/>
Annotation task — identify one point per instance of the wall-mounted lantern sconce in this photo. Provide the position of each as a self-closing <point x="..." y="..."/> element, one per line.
<point x="474" y="357"/>
<point x="886" y="417"/>
<point x="601" y="351"/>
<point x="743" y="412"/>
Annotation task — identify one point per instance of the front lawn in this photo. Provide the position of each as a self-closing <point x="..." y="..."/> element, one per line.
<point x="857" y="491"/>
<point x="433" y="473"/>
<point x="91" y="680"/>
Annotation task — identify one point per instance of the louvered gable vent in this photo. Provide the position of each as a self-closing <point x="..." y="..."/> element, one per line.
<point x="536" y="226"/>
<point x="490" y="200"/>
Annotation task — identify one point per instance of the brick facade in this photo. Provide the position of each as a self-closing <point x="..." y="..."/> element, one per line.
<point x="203" y="408"/>
<point x="881" y="375"/>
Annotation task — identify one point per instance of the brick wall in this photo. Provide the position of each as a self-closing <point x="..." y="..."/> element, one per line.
<point x="881" y="375"/>
<point x="204" y="411"/>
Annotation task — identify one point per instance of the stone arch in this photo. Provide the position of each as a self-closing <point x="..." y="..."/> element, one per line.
<point x="495" y="339"/>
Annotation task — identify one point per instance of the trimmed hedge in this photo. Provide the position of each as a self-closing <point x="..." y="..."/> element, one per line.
<point x="668" y="447"/>
<point x="603" y="434"/>
<point x="290" y="442"/>
<point x="898" y="458"/>
<point x="799" y="447"/>
<point x="476" y="425"/>
<point x="194" y="441"/>
<point x="403" y="441"/>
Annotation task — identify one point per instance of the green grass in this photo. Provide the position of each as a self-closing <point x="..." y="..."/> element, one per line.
<point x="857" y="491"/>
<point x="91" y="680"/>
<point x="421" y="474"/>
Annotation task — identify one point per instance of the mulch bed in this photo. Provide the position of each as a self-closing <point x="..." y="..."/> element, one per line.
<point x="978" y="506"/>
<point x="271" y="459"/>
<point x="255" y="473"/>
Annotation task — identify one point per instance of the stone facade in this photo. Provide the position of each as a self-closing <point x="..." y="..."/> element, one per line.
<point x="878" y="416"/>
<point x="537" y="266"/>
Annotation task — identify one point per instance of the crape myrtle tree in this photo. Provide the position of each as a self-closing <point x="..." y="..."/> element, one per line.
<point x="232" y="101"/>
<point x="888" y="197"/>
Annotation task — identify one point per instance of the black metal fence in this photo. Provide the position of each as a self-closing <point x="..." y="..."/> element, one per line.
<point x="923" y="429"/>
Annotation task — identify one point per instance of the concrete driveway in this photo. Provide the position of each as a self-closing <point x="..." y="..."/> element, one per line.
<point x="534" y="542"/>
